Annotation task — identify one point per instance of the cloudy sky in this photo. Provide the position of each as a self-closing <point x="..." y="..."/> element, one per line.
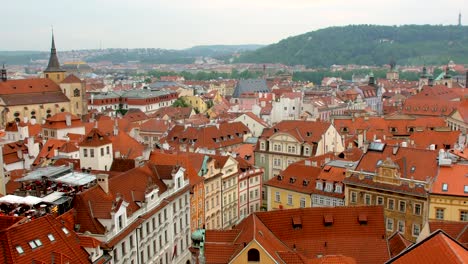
<point x="177" y="24"/>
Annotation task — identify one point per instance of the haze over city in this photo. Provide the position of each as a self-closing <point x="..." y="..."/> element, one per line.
<point x="177" y="24"/>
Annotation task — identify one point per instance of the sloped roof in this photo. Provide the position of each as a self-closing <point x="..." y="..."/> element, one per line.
<point x="455" y="178"/>
<point x="21" y="232"/>
<point x="28" y="86"/>
<point x="126" y="145"/>
<point x="275" y="232"/>
<point x="250" y="85"/>
<point x="130" y="186"/>
<point x="397" y="243"/>
<point x="95" y="138"/>
<point x="304" y="131"/>
<point x="71" y="79"/>
<point x="456" y="230"/>
<point x="436" y="248"/>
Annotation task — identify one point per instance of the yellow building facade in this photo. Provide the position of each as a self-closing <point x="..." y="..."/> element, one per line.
<point x="279" y="198"/>
<point x="196" y="103"/>
<point x="253" y="246"/>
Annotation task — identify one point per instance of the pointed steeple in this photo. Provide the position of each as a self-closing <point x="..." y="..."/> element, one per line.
<point x="3" y="74"/>
<point x="54" y="65"/>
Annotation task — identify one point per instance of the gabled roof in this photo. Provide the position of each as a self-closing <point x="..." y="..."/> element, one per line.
<point x="397" y="243"/>
<point x="126" y="145"/>
<point x="456" y="230"/>
<point x="58" y="121"/>
<point x="304" y="131"/>
<point x="309" y="238"/>
<point x="436" y="248"/>
<point x="130" y="186"/>
<point x="95" y="138"/>
<point x="71" y="79"/>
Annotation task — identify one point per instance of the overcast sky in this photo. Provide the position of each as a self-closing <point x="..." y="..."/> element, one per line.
<point x="177" y="24"/>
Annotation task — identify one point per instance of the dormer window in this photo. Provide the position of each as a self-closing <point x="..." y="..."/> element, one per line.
<point x="319" y="185"/>
<point x="329" y="187"/>
<point x="338" y="189"/>
<point x="393" y="129"/>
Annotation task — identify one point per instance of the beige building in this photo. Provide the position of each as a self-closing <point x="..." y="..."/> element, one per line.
<point x="211" y="173"/>
<point x="291" y="141"/>
<point x="398" y="179"/>
<point x="449" y="194"/>
<point x="37" y="99"/>
<point x="229" y="190"/>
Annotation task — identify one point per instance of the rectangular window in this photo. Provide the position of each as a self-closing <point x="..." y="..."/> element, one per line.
<point x="440" y="213"/>
<point x="91" y="153"/>
<point x="354" y="197"/>
<point x="290" y="199"/>
<point x="390" y="224"/>
<point x="417" y="209"/>
<point x="85" y="153"/>
<point x="123" y="249"/>
<point x="367" y="199"/>
<point x="464" y="216"/>
<point x="416" y="230"/>
<point x="107" y="150"/>
<point x="402" y="206"/>
<point x="380" y="200"/>
<point x="277" y="197"/>
<point x="391" y="204"/>
<point x="303" y="202"/>
<point x="401" y="226"/>
<point x="102" y="152"/>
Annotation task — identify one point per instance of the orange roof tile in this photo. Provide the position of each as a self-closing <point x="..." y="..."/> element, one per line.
<point x="346" y="238"/>
<point x="71" y="79"/>
<point x="95" y="138"/>
<point x="64" y="246"/>
<point x="436" y="248"/>
<point x="454" y="177"/>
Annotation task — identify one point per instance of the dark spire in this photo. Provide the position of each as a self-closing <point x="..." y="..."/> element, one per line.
<point x="4" y="74"/>
<point x="54" y="65"/>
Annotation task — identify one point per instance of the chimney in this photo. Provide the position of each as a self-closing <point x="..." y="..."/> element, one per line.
<point x="116" y="127"/>
<point x="466" y="80"/>
<point x="103" y="181"/>
<point x="4" y="74"/>
<point x="68" y="120"/>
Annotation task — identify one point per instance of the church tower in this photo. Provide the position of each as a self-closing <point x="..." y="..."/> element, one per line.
<point x="53" y="70"/>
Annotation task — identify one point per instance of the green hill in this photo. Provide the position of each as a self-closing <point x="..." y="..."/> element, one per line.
<point x="368" y="45"/>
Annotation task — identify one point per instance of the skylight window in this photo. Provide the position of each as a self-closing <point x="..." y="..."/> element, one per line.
<point x="35" y="243"/>
<point x="51" y="237"/>
<point x="19" y="249"/>
<point x="65" y="230"/>
<point x="445" y="187"/>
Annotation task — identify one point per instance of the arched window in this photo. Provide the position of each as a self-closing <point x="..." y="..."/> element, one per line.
<point x="76" y="92"/>
<point x="253" y="255"/>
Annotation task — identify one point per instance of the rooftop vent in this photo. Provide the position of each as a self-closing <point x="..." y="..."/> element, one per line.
<point x="328" y="220"/>
<point x="296" y="222"/>
<point x="362" y="219"/>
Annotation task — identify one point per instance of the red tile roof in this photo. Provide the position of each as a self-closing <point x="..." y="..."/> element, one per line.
<point x="210" y="137"/>
<point x="455" y="177"/>
<point x="257" y="119"/>
<point x="437" y="248"/>
<point x="131" y="186"/>
<point x="58" y="121"/>
<point x="47" y="151"/>
<point x="456" y="230"/>
<point x="303" y="131"/>
<point x="345" y="238"/>
<point x="397" y="243"/>
<point x="126" y="145"/>
<point x="65" y="247"/>
<point x="155" y="126"/>
<point x="28" y="86"/>
<point x="95" y="138"/>
<point x="71" y="79"/>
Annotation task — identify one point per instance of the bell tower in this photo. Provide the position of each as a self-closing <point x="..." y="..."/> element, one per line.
<point x="53" y="70"/>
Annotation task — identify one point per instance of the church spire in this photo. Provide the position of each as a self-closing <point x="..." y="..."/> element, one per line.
<point x="54" y="65"/>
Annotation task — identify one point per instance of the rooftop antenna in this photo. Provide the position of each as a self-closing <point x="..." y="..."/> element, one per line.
<point x="459" y="19"/>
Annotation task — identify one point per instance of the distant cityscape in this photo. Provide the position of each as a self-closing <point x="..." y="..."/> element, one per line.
<point x="209" y="158"/>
